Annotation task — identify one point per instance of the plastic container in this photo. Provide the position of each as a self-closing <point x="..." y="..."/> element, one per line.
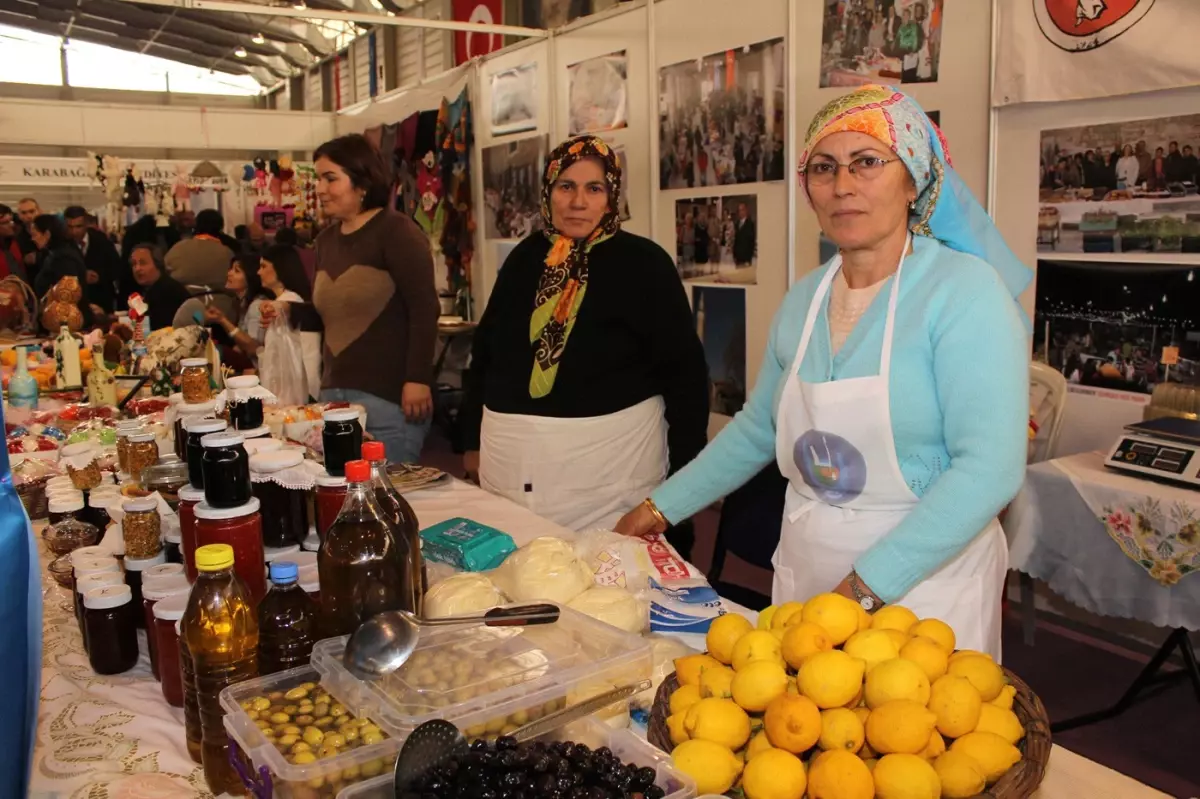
<point x="167" y="613"/>
<point x="154" y="592"/>
<point x="240" y="528"/>
<point x="329" y="497"/>
<point x="83" y="566"/>
<point x="189" y="497"/>
<point x="515" y="671"/>
<point x="194" y="453"/>
<point x="629" y="747"/>
<point x="162" y="571"/>
<point x="133" y="578"/>
<point x="401" y="517"/>
<point x="268" y="773"/>
<point x="341" y="439"/>
<point x="287" y="622"/>
<point x="109" y="622"/>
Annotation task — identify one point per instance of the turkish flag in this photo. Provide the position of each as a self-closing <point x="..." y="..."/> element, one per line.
<point x="469" y="45"/>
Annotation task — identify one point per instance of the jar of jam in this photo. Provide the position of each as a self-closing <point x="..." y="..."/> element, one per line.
<point x="69" y="535"/>
<point x="262" y="444"/>
<point x="194" y="382"/>
<point x="91" y="577"/>
<point x="110" y="628"/>
<point x="98" y="502"/>
<point x="341" y="439"/>
<point x="141" y="527"/>
<point x="133" y="578"/>
<point x="189" y="498"/>
<point x="284" y="508"/>
<point x="142" y="452"/>
<point x="82" y="461"/>
<point x="67" y="505"/>
<point x="245" y="411"/>
<point x="196" y="430"/>
<point x="163" y="571"/>
<point x="226" y="468"/>
<point x="184" y="412"/>
<point x="241" y="528"/>
<point x="153" y="592"/>
<point x="330" y="496"/>
<point x="167" y="613"/>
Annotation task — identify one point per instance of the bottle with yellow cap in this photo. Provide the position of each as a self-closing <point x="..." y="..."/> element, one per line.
<point x="221" y="631"/>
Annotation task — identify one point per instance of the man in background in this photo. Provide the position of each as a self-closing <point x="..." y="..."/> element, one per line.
<point x="745" y="240"/>
<point x="28" y="210"/>
<point x="99" y="256"/>
<point x="203" y="260"/>
<point x="11" y="260"/>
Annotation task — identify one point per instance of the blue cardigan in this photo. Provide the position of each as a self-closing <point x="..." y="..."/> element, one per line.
<point x="959" y="392"/>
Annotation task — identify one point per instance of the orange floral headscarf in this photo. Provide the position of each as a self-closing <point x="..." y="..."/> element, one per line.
<point x="564" y="280"/>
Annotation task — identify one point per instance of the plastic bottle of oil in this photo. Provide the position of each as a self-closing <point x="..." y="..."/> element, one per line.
<point x="362" y="567"/>
<point x="287" y="621"/>
<point x="400" y="516"/>
<point x="221" y="629"/>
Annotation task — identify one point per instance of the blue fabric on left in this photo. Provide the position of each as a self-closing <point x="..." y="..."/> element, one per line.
<point x="21" y="634"/>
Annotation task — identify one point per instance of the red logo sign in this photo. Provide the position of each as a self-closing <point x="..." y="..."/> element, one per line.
<point x="1079" y="25"/>
<point x="483" y="12"/>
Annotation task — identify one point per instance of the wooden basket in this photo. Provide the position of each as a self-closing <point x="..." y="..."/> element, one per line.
<point x="1018" y="782"/>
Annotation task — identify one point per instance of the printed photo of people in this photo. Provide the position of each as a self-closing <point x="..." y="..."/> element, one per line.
<point x="553" y="13"/>
<point x="722" y="118"/>
<point x="880" y="41"/>
<point x="1121" y="187"/>
<point x="598" y="96"/>
<point x="512" y="179"/>
<point x="1105" y="324"/>
<point x="720" y="315"/>
<point x="514" y="100"/>
<point x="716" y="239"/>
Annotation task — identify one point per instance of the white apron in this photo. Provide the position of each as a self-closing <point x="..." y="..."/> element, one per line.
<point x="851" y="493"/>
<point x="583" y="473"/>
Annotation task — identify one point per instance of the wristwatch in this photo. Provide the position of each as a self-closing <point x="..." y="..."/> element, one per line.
<point x="865" y="600"/>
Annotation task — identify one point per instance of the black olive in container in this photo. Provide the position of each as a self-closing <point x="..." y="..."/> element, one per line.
<point x="341" y="439"/>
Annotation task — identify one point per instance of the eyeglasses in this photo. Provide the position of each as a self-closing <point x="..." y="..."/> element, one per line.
<point x="824" y="171"/>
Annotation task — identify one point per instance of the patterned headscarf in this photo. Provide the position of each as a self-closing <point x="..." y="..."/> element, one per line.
<point x="564" y="280"/>
<point x="945" y="208"/>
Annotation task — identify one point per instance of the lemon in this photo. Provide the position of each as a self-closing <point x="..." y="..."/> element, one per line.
<point x="937" y="630"/>
<point x="830" y="679"/>
<point x="871" y="763"/>
<point x="893" y="617"/>
<point x="928" y="654"/>
<point x="689" y="668"/>
<point x="966" y="653"/>
<point x="864" y="619"/>
<point x="905" y="777"/>
<point x="759" y="682"/>
<point x="1002" y="722"/>
<point x="676" y="729"/>
<point x="990" y="751"/>
<point x="793" y="723"/>
<point x="803" y="640"/>
<point x="896" y="679"/>
<point x="935" y="747"/>
<point x="684" y="697"/>
<point x="956" y="704"/>
<point x="764" y="617"/>
<point x="759" y="743"/>
<point x="841" y="729"/>
<point x="712" y="766"/>
<point x="1005" y="700"/>
<point x="837" y="614"/>
<point x="961" y="776"/>
<point x="983" y="673"/>
<point x="900" y="727"/>
<point x="723" y="633"/>
<point x="898" y="638"/>
<point x="839" y="775"/>
<point x="718" y="720"/>
<point x="774" y="774"/>
<point x="871" y="646"/>
<point x="787" y="614"/>
<point x="756" y="645"/>
<point x="716" y="683"/>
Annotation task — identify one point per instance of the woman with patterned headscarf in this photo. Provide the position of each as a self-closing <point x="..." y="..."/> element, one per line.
<point x="588" y="384"/>
<point x="894" y="392"/>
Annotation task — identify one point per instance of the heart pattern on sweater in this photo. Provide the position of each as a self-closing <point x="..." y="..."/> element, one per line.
<point x="350" y="303"/>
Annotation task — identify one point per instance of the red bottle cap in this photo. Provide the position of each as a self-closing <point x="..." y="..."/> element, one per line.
<point x="358" y="471"/>
<point x="372" y="451"/>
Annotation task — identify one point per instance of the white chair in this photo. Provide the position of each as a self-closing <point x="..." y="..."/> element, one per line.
<point x="1047" y="403"/>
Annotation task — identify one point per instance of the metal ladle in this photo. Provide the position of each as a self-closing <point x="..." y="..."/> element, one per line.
<point x="435" y="742"/>
<point x="384" y="642"/>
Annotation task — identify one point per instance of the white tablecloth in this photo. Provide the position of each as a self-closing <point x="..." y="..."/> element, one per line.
<point x="116" y="738"/>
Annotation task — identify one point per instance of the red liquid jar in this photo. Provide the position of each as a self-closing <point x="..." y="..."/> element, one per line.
<point x="330" y="496"/>
<point x="152" y="594"/>
<point x="241" y="528"/>
<point x="167" y="613"/>
<point x="189" y="498"/>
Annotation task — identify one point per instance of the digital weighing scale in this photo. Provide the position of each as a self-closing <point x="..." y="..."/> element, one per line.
<point x="1165" y="449"/>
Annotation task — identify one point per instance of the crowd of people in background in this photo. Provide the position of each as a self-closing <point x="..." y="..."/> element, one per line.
<point x="1123" y="167"/>
<point x="721" y="139"/>
<point x="868" y="30"/>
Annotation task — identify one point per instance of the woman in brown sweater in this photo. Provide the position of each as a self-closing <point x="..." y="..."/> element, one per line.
<point x="375" y="299"/>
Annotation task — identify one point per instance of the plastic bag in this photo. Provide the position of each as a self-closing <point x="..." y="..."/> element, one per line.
<point x="281" y="363"/>
<point x="631" y="562"/>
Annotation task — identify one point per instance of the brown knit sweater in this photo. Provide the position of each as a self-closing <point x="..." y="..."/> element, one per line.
<point x="375" y="293"/>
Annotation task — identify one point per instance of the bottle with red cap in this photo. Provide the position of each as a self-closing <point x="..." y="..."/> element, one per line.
<point x="400" y="515"/>
<point x="363" y="570"/>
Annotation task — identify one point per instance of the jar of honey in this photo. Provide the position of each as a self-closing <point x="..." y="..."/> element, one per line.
<point x="194" y="382"/>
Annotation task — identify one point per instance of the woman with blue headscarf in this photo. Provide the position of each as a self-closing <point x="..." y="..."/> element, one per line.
<point x="894" y="390"/>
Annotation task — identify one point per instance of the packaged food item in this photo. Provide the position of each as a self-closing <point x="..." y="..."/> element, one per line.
<point x="328" y="501"/>
<point x="287" y="622"/>
<point x="184" y="413"/>
<point x="281" y="484"/>
<point x="613" y="605"/>
<point x="110" y="629"/>
<point x="141" y="527"/>
<point x="69" y="535"/>
<point x="82" y="462"/>
<point x="141" y="452"/>
<point x="86" y="578"/>
<point x="167" y="613"/>
<point x="461" y="595"/>
<point x="226" y="468"/>
<point x="65" y="505"/>
<point x="194" y="452"/>
<point x="153" y="593"/>
<point x="342" y="439"/>
<point x="683" y="606"/>
<point x="189" y="497"/>
<point x="133" y="578"/>
<point x="194" y="381"/>
<point x="631" y="561"/>
<point x="221" y="629"/>
<point x="545" y="568"/>
<point x="193" y="734"/>
<point x="400" y="516"/>
<point x="241" y="529"/>
<point x="96" y="513"/>
<point x="466" y="545"/>
<point x="244" y="397"/>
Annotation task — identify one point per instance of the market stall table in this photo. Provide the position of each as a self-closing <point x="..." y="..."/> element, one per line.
<point x="116" y="737"/>
<point x="1114" y="545"/>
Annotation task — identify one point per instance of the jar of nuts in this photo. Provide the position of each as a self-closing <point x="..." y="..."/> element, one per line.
<point x="125" y="428"/>
<point x="141" y="527"/>
<point x="142" y="452"/>
<point x="194" y="382"/>
<point x="83" y="464"/>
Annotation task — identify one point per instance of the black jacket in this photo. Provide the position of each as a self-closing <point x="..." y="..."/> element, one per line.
<point x="745" y="241"/>
<point x="102" y="258"/>
<point x="57" y="262"/>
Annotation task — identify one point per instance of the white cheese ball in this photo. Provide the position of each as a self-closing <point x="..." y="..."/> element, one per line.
<point x="612" y="605"/>
<point x="460" y="595"/>
<point x="545" y="568"/>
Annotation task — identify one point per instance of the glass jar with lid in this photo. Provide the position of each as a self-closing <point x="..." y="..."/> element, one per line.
<point x="282" y="487"/>
<point x="65" y="505"/>
<point x="153" y="592"/>
<point x="142" y="453"/>
<point x="125" y="428"/>
<point x="194" y="381"/>
<point x="87" y="583"/>
<point x="133" y="578"/>
<point x="84" y="569"/>
<point x="196" y="430"/>
<point x="244" y="403"/>
<point x="69" y="535"/>
<point x="111" y="630"/>
<point x="184" y="412"/>
<point x="241" y="528"/>
<point x="141" y="527"/>
<point x="329" y="497"/>
<point x="98" y="502"/>
<point x="226" y="468"/>
<point x="167" y="612"/>
<point x="166" y="477"/>
<point x="341" y="439"/>
<point x="189" y="497"/>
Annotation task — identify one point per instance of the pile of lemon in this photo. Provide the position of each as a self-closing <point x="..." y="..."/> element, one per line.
<point x="824" y="698"/>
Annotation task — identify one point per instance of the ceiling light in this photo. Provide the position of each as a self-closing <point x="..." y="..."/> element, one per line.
<point x="240" y="52"/>
<point x="259" y="39"/>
